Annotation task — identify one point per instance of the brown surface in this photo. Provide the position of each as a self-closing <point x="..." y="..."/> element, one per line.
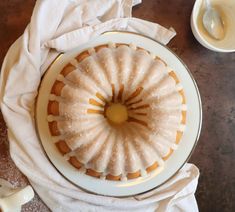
<point x="214" y="73"/>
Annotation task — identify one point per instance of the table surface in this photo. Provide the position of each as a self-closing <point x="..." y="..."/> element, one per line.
<point x="214" y="73"/>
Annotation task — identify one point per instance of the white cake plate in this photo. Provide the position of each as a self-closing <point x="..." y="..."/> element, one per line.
<point x="157" y="177"/>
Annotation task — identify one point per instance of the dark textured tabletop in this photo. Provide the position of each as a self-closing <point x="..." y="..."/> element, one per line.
<point x="214" y="73"/>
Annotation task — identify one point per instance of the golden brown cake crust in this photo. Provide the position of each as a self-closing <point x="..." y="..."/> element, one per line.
<point x="97" y="48"/>
<point x="53" y="108"/>
<point x="93" y="173"/>
<point x="152" y="167"/>
<point x="82" y="56"/>
<point x="173" y="75"/>
<point x="133" y="175"/>
<point x="168" y="155"/>
<point x="53" y="128"/>
<point x="183" y="121"/>
<point x="183" y="96"/>
<point x="57" y="88"/>
<point x="67" y="69"/>
<point x="178" y="136"/>
<point x="74" y="162"/>
<point x="63" y="147"/>
<point x="112" y="177"/>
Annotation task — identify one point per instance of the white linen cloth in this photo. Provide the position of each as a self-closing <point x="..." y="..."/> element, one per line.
<point x="58" y="26"/>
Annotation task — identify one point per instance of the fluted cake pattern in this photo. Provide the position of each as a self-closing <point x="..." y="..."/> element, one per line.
<point x="117" y="111"/>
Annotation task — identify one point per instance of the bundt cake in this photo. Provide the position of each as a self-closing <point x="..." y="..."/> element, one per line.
<point x="116" y="112"/>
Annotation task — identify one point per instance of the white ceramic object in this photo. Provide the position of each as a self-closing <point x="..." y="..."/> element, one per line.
<point x="213" y="22"/>
<point x="12" y="199"/>
<point x="155" y="178"/>
<point x="226" y="10"/>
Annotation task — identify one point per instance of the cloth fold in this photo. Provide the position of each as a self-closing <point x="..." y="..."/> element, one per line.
<point x="55" y="27"/>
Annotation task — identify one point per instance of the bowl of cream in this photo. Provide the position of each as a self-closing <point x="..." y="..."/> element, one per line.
<point x="226" y="10"/>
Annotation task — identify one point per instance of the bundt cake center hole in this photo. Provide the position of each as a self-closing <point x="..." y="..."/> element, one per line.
<point x="117" y="113"/>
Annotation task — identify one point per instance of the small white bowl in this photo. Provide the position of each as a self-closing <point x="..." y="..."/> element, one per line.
<point x="226" y="9"/>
